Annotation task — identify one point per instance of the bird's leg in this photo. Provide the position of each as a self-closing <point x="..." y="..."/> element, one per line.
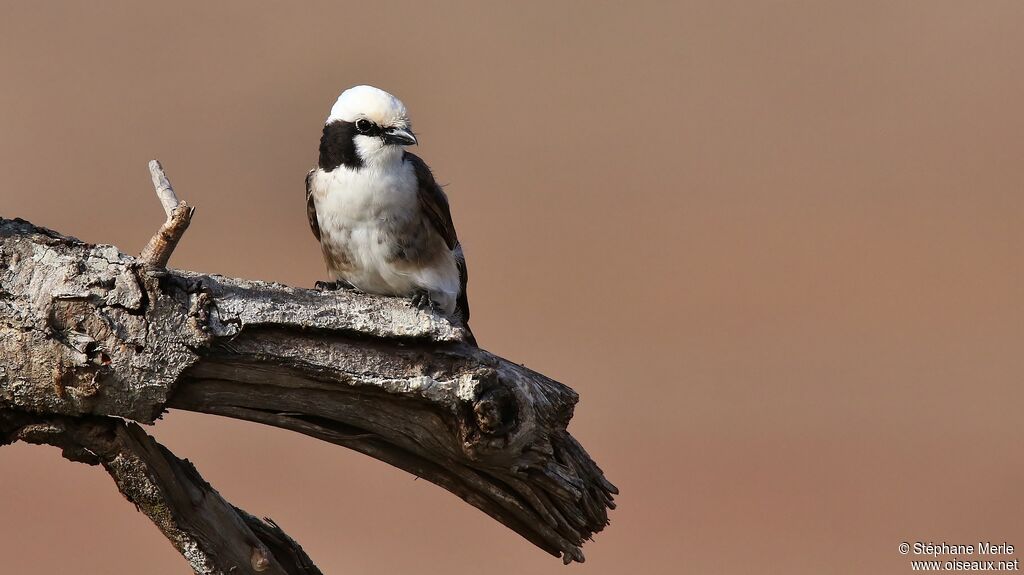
<point x="335" y="285"/>
<point x="421" y="299"/>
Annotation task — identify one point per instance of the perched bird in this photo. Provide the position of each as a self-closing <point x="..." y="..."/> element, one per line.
<point x="383" y="223"/>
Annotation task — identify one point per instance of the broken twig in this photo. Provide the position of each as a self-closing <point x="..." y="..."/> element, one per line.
<point x="160" y="247"/>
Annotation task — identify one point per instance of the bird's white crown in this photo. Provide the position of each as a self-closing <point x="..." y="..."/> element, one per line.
<point x="371" y="103"/>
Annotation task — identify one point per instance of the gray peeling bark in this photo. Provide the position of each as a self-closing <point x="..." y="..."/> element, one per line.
<point x="89" y="334"/>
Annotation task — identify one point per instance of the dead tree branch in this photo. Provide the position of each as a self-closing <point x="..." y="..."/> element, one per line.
<point x="88" y="333"/>
<point x="213" y="535"/>
<point x="179" y="215"/>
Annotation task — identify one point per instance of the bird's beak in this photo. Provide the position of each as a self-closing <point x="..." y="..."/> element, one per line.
<point x="399" y="136"/>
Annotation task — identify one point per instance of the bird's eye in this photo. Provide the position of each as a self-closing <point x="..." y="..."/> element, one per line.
<point x="364" y="126"/>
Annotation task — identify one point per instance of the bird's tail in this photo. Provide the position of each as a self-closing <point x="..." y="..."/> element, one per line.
<point x="470" y="338"/>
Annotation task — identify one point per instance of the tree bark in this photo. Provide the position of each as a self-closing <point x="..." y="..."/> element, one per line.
<point x="88" y="334"/>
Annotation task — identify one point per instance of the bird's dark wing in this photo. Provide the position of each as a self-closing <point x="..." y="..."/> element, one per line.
<point x="433" y="201"/>
<point x="462" y="303"/>
<point x="311" y="206"/>
<point x="435" y="204"/>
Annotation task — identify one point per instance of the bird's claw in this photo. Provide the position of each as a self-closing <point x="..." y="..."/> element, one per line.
<point x="333" y="286"/>
<point x="421" y="299"/>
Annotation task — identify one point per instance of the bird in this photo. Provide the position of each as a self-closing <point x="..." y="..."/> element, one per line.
<point x="383" y="222"/>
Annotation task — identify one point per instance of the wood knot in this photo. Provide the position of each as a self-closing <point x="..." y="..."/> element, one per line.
<point x="260" y="558"/>
<point x="199" y="313"/>
<point x="495" y="411"/>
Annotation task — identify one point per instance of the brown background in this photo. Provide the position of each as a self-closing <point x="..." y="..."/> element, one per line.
<point x="776" y="247"/>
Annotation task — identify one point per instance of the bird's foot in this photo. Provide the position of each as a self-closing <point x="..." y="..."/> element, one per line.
<point x="333" y="286"/>
<point x="421" y="299"/>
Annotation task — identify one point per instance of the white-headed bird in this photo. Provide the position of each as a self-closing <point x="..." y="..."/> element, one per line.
<point x="383" y="222"/>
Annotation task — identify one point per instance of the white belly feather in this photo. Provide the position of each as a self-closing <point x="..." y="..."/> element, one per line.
<point x="358" y="212"/>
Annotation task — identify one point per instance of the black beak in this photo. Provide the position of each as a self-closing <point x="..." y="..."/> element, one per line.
<point x="399" y="136"/>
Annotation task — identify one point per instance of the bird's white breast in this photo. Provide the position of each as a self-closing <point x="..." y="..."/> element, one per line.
<point x="348" y="197"/>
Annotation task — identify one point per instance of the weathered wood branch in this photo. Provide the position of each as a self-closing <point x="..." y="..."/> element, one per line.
<point x="179" y="215"/>
<point x="213" y="535"/>
<point x="88" y="331"/>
